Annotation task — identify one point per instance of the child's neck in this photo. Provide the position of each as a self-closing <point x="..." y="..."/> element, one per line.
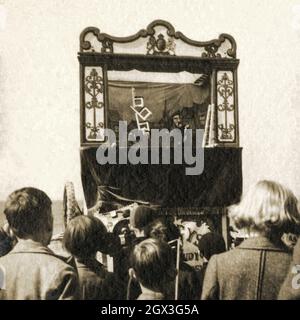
<point x="150" y="291"/>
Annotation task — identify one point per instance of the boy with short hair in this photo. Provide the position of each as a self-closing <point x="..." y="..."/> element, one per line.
<point x="32" y="270"/>
<point x="153" y="266"/>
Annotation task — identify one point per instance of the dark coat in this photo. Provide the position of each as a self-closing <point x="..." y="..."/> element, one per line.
<point x="189" y="283"/>
<point x="91" y="278"/>
<point x="211" y="243"/>
<point x="255" y="270"/>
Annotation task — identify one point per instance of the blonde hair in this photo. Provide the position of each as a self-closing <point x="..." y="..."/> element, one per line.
<point x="267" y="208"/>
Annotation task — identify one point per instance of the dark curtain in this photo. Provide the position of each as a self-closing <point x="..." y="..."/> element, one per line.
<point x="220" y="184"/>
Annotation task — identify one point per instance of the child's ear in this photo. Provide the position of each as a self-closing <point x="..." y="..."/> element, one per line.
<point x="131" y="273"/>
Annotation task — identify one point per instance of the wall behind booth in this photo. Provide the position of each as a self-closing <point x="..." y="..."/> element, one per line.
<point x="39" y="81"/>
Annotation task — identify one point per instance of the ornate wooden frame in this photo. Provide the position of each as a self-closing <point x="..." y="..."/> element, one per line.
<point x="98" y="53"/>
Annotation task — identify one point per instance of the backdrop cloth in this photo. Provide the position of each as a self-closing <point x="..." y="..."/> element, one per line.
<point x="162" y="99"/>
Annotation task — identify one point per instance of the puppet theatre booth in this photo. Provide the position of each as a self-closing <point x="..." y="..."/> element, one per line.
<point x="159" y="79"/>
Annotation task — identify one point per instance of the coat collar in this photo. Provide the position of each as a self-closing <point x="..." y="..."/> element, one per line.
<point x="261" y="243"/>
<point x="30" y="246"/>
<point x="91" y="263"/>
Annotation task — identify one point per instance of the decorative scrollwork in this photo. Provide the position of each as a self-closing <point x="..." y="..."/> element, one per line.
<point x="225" y="89"/>
<point x="84" y="44"/>
<point x="107" y="46"/>
<point x="94" y="129"/>
<point x="211" y="51"/>
<point x="226" y="131"/>
<point x="94" y="87"/>
<point x="93" y="83"/>
<point x="158" y="45"/>
<point x="225" y="94"/>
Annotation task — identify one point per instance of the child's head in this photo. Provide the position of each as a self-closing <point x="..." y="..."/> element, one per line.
<point x="29" y="215"/>
<point x="162" y="229"/>
<point x="268" y="208"/>
<point x="140" y="217"/>
<point x="84" y="236"/>
<point x="153" y="264"/>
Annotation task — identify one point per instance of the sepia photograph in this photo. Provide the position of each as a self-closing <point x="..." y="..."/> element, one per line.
<point x="149" y="151"/>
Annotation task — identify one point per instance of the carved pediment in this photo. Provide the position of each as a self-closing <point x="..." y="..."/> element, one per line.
<point x="159" y="38"/>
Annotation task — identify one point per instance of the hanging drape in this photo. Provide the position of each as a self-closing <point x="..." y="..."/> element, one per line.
<point x="162" y="99"/>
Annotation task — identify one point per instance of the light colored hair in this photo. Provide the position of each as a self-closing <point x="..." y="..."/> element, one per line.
<point x="268" y="208"/>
